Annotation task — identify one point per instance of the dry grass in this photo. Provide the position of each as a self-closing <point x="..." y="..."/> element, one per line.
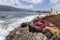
<point x="55" y="19"/>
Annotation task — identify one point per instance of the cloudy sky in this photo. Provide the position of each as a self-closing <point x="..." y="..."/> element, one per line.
<point x="32" y="4"/>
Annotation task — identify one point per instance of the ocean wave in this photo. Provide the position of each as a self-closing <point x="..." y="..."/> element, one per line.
<point x="12" y="24"/>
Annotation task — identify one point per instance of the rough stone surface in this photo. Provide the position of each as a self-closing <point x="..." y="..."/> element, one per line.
<point x="24" y="34"/>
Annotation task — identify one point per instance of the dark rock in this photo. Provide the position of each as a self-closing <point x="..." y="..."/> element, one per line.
<point x="24" y="25"/>
<point x="31" y="29"/>
<point x="48" y="34"/>
<point x="56" y="38"/>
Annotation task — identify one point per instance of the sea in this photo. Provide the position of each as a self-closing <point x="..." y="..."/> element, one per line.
<point x="12" y="19"/>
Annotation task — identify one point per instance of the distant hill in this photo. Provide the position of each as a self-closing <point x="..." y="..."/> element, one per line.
<point x="9" y="8"/>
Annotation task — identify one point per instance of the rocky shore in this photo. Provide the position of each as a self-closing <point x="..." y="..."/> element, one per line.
<point x="27" y="33"/>
<point x="24" y="34"/>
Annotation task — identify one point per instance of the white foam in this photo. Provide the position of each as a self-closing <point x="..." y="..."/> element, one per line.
<point x="2" y="38"/>
<point x="1" y="21"/>
<point x="42" y="16"/>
